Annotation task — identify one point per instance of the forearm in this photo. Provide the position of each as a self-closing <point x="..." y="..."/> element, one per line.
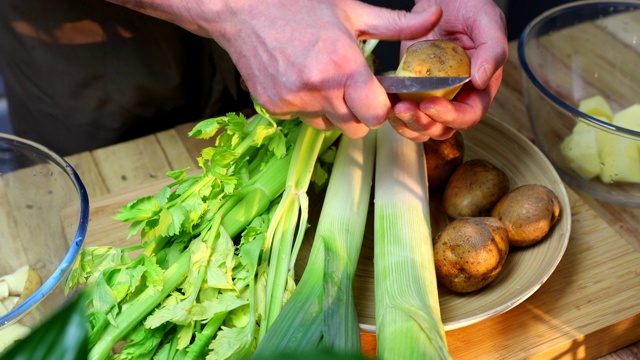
<point x="194" y="16"/>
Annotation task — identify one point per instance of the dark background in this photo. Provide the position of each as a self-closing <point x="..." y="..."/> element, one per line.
<point x="518" y="14"/>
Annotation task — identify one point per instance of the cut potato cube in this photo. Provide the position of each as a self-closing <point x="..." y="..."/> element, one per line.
<point x="620" y="159"/>
<point x="581" y="126"/>
<point x="581" y="151"/>
<point x="628" y="118"/>
<point x="10" y="302"/>
<point x="11" y="333"/>
<point x="21" y="283"/>
<point x="4" y="290"/>
<point x="591" y="151"/>
<point x="596" y="106"/>
<point x="3" y="309"/>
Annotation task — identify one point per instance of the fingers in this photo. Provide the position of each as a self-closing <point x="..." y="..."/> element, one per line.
<point x="490" y="52"/>
<point x="411" y="122"/>
<point x="439" y="118"/>
<point x="366" y="99"/>
<point x="386" y="24"/>
<point x="318" y="122"/>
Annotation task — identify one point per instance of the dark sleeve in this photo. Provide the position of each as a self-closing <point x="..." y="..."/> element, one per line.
<point x="82" y="74"/>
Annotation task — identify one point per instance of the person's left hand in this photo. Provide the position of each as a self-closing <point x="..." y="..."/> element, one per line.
<point x="479" y="27"/>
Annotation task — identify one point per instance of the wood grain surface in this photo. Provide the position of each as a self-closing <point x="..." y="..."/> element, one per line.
<point x="589" y="307"/>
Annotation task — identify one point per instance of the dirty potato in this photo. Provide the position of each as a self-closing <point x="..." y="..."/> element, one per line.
<point x="474" y="188"/>
<point x="443" y="157"/>
<point x="470" y="252"/>
<point x="528" y="212"/>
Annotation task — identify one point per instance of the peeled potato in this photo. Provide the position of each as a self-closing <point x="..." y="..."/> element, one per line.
<point x="528" y="212"/>
<point x="10" y="302"/>
<point x="21" y="283"/>
<point x="12" y="333"/>
<point x="434" y="58"/>
<point x="15" y="288"/>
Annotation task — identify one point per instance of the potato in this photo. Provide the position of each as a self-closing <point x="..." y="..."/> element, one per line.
<point x="443" y="157"/>
<point x="580" y="149"/>
<point x="12" y="333"/>
<point x="470" y="252"/>
<point x="596" y="106"/>
<point x="592" y="152"/>
<point x="474" y="188"/>
<point x="21" y="283"/>
<point x="528" y="212"/>
<point x="434" y="58"/>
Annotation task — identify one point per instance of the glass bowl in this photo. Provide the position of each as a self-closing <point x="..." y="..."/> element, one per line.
<point x="579" y="52"/>
<point x="44" y="212"/>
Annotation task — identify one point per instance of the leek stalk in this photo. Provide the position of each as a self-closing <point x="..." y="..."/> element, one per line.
<point x="407" y="311"/>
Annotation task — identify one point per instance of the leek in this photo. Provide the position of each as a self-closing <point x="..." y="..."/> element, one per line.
<point x="408" y="323"/>
<point x="342" y="231"/>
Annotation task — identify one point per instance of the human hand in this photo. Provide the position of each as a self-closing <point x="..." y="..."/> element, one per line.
<point x="301" y="58"/>
<point x="479" y="27"/>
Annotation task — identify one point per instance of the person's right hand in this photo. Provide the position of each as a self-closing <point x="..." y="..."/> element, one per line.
<point x="301" y="58"/>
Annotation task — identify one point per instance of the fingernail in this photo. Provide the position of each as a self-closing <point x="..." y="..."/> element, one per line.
<point x="429" y="109"/>
<point x="483" y="75"/>
<point x="405" y="117"/>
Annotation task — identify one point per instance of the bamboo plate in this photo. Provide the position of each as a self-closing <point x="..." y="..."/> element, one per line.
<point x="525" y="269"/>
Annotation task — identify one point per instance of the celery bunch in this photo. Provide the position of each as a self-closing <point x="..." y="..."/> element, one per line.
<point x="210" y="271"/>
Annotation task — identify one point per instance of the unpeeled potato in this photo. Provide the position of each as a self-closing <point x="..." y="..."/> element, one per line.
<point x="470" y="252"/>
<point x="474" y="188"/>
<point x="528" y="212"/>
<point x="443" y="157"/>
<point x="434" y="58"/>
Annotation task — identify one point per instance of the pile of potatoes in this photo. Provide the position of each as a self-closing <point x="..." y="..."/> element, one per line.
<point x="487" y="216"/>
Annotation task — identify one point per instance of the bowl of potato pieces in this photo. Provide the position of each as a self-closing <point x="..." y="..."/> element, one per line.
<point x="580" y="86"/>
<point x="44" y="212"/>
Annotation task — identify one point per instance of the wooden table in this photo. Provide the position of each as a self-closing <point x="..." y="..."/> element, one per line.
<point x="589" y="307"/>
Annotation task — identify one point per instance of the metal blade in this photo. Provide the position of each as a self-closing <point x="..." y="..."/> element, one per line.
<point x="407" y="84"/>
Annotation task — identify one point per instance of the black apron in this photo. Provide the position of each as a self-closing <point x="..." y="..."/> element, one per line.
<point x="82" y="74"/>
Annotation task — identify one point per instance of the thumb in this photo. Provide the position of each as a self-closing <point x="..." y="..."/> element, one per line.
<point x="372" y="22"/>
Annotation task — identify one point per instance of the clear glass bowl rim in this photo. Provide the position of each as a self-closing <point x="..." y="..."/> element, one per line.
<point x="74" y="250"/>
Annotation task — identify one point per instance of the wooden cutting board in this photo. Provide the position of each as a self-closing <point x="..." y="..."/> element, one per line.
<point x="589" y="306"/>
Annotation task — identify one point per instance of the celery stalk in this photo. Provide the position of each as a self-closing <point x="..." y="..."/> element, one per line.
<point x="146" y="302"/>
<point x="322" y="298"/>
<point x="282" y="230"/>
<point x="407" y="312"/>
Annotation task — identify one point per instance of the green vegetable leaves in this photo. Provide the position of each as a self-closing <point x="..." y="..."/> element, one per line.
<point x="198" y="282"/>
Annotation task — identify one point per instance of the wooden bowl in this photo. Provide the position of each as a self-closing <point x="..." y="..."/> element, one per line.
<point x="525" y="269"/>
